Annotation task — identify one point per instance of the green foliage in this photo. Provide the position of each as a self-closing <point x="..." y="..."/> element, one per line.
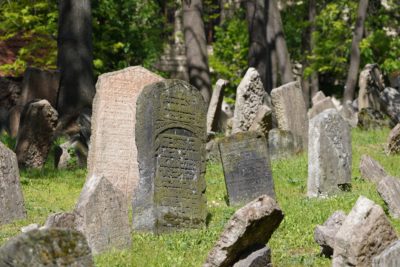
<point x="231" y="47"/>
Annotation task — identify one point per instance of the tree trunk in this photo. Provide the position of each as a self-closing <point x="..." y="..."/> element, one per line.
<point x="272" y="66"/>
<point x="75" y="57"/>
<point x="285" y="66"/>
<point x="258" y="56"/>
<point x="355" y="52"/>
<point x="196" y="47"/>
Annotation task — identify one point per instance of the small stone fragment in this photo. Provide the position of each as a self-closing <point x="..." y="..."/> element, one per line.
<point x="325" y="234"/>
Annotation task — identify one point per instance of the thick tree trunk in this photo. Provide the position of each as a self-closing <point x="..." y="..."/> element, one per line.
<point x="258" y="56"/>
<point x="355" y="52"/>
<point x="196" y="47"/>
<point x="285" y="66"/>
<point x="272" y="66"/>
<point x="75" y="57"/>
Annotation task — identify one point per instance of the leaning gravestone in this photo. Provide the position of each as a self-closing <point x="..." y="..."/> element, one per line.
<point x="389" y="189"/>
<point x="371" y="170"/>
<point x="214" y="108"/>
<point x="329" y="154"/>
<point x="48" y="247"/>
<point x="170" y="138"/>
<point x="365" y="233"/>
<point x="247" y="167"/>
<point x="291" y="110"/>
<point x="393" y="142"/>
<point x="249" y="98"/>
<point x="390" y="257"/>
<point x="101" y="214"/>
<point x="112" y="151"/>
<point x="37" y="126"/>
<point x="11" y="199"/>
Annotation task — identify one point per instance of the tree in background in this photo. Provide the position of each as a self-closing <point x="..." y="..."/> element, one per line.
<point x="75" y="56"/>
<point x="196" y="47"/>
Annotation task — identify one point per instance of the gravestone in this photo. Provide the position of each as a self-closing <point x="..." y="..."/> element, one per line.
<point x="263" y="121"/>
<point x="248" y="230"/>
<point x="371" y="170"/>
<point x="214" y="108"/>
<point x="290" y="110"/>
<point x="325" y="234"/>
<point x="393" y="142"/>
<point x="249" y="97"/>
<point x="389" y="189"/>
<point x="259" y="258"/>
<point x="370" y="84"/>
<point x="369" y="118"/>
<point x="329" y="154"/>
<point x="11" y="199"/>
<point x="37" y="127"/>
<point x="170" y="138"/>
<point x="390" y="257"/>
<point x="318" y="97"/>
<point x="365" y="233"/>
<point x="47" y="247"/>
<point x="112" y="151"/>
<point x="282" y="144"/>
<point x="247" y="167"/>
<point x="391" y="98"/>
<point x="101" y="214"/>
<point x="320" y="106"/>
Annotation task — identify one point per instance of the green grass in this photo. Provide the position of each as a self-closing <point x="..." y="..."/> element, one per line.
<point x="48" y="191"/>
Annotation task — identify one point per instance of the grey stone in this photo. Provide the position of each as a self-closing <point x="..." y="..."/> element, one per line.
<point x="212" y="150"/>
<point x="170" y="138"/>
<point x="263" y="121"/>
<point x="329" y="154"/>
<point x="249" y="98"/>
<point x="250" y="227"/>
<point x="325" y="234"/>
<point x="349" y="115"/>
<point x="112" y="151"/>
<point x="283" y="144"/>
<point x="258" y="258"/>
<point x="393" y="142"/>
<point x="370" y="84"/>
<point x="62" y="156"/>
<point x="247" y="168"/>
<point x="320" y="106"/>
<point x="36" y="133"/>
<point x="214" y="108"/>
<point x="11" y="199"/>
<point x="49" y="247"/>
<point x="365" y="233"/>
<point x="61" y="220"/>
<point x="389" y="189"/>
<point x="290" y="110"/>
<point x="371" y="170"/>
<point x="30" y="227"/>
<point x="369" y="118"/>
<point x="391" y="98"/>
<point x="318" y="97"/>
<point x="101" y="214"/>
<point x="14" y="117"/>
<point x="390" y="257"/>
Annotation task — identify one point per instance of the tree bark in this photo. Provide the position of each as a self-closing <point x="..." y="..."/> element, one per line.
<point x="258" y="56"/>
<point x="285" y="66"/>
<point x="272" y="67"/>
<point x="196" y="47"/>
<point x="75" y="57"/>
<point x="355" y="52"/>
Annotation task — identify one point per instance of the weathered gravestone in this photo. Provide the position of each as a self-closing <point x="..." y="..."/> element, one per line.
<point x="389" y="189"/>
<point x="282" y="144"/>
<point x="49" y="247"/>
<point x="318" y="97"/>
<point x="391" y="98"/>
<point x="290" y="110"/>
<point x="329" y="154"/>
<point x="36" y="133"/>
<point x="371" y="170"/>
<point x="170" y="138"/>
<point x="370" y="84"/>
<point x="390" y="257"/>
<point x="393" y="142"/>
<point x="11" y="199"/>
<point x="101" y="214"/>
<point x="365" y="233"/>
<point x="214" y="108"/>
<point x="249" y="98"/>
<point x="112" y="151"/>
<point x="320" y="106"/>
<point x="258" y="258"/>
<point x="247" y="232"/>
<point x="263" y="121"/>
<point x="369" y="118"/>
<point x="247" y="168"/>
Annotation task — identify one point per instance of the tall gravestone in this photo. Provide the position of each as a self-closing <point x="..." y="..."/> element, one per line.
<point x="11" y="199"/>
<point x="112" y="151"/>
<point x="101" y="214"/>
<point x="249" y="98"/>
<point x="290" y="110"/>
<point x="247" y="168"/>
<point x="170" y="138"/>
<point x="329" y="154"/>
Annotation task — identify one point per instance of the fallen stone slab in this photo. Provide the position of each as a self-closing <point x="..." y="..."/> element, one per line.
<point x="48" y="247"/>
<point x="371" y="170"/>
<point x="325" y="234"/>
<point x="250" y="227"/>
<point x="393" y="142"/>
<point x="389" y="189"/>
<point x="365" y="233"/>
<point x="390" y="257"/>
<point x="258" y="258"/>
